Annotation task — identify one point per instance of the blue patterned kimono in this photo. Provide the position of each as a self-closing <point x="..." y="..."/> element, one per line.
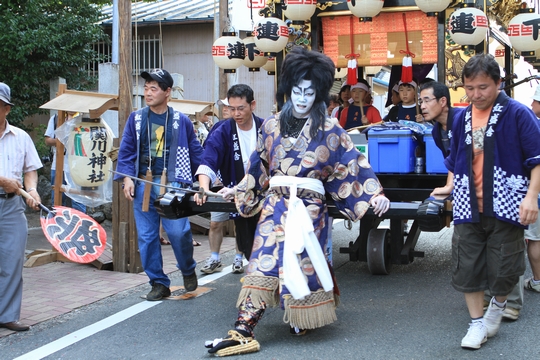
<point x="346" y="175"/>
<point x="511" y="150"/>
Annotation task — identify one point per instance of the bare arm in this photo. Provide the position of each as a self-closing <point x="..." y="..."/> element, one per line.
<point x="528" y="209"/>
<point x="30" y="183"/>
<point x="446" y="189"/>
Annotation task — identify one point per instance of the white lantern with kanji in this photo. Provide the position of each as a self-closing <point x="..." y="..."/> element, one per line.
<point x="432" y="7"/>
<point x="299" y="11"/>
<point x="228" y="52"/>
<point x="89" y="143"/>
<point x="523" y="32"/>
<point x="271" y="35"/>
<point x="255" y="58"/>
<point x="270" y="66"/>
<point x="365" y="10"/>
<point x="468" y="26"/>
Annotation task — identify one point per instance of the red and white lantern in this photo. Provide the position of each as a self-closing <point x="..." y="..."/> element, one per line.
<point x="365" y="10"/>
<point x="524" y="32"/>
<point x="432" y="7"/>
<point x="228" y="52"/>
<point x="271" y="35"/>
<point x="468" y="26"/>
<point x="255" y="58"/>
<point x="299" y="11"/>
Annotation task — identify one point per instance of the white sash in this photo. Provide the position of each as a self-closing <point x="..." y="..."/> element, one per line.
<point x="300" y="235"/>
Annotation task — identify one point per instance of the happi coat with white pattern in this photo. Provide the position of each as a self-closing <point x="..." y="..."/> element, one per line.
<point x="345" y="174"/>
<point x="511" y="150"/>
<point x="185" y="151"/>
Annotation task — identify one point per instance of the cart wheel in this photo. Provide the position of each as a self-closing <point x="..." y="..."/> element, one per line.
<point x="378" y="251"/>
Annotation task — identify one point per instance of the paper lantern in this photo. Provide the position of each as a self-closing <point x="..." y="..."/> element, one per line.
<point x="468" y="26"/>
<point x="89" y="164"/>
<point x="523" y="32"/>
<point x="270" y="66"/>
<point x="432" y="7"/>
<point x="271" y="35"/>
<point x="299" y="11"/>
<point x="228" y="52"/>
<point x="340" y="73"/>
<point x="365" y="10"/>
<point x="255" y="58"/>
<point x="373" y="70"/>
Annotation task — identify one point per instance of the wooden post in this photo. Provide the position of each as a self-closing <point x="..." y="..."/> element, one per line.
<point x="125" y="259"/>
<point x="223" y="11"/>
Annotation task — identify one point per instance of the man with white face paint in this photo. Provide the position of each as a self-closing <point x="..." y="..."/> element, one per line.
<point x="301" y="155"/>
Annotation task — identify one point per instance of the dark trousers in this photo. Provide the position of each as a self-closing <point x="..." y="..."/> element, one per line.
<point x="245" y="233"/>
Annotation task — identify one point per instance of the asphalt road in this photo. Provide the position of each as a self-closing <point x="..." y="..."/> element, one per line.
<point x="413" y="313"/>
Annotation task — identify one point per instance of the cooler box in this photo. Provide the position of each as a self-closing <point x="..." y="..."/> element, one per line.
<point x="391" y="151"/>
<point x="434" y="156"/>
<point x="360" y="142"/>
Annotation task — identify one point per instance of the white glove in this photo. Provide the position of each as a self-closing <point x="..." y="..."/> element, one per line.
<point x="380" y="204"/>
<point x="228" y="193"/>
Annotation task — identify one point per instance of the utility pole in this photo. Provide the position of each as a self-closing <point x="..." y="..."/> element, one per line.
<point x="126" y="256"/>
<point x="223" y="10"/>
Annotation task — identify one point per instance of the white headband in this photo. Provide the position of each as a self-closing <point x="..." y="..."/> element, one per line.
<point x="360" y="86"/>
<point x="410" y="83"/>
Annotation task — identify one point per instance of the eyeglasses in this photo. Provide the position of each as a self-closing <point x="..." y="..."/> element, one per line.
<point x="426" y="100"/>
<point x="239" y="108"/>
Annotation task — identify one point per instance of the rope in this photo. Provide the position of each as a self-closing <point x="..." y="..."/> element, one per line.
<point x="406" y="52"/>
<point x="352" y="55"/>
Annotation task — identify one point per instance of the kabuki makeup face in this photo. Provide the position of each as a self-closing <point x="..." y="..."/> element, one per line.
<point x="302" y="98"/>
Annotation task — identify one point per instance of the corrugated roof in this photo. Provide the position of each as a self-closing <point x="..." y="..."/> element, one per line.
<point x="167" y="11"/>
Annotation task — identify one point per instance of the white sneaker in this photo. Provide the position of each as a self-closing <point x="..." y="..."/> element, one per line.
<point x="492" y="318"/>
<point x="237" y="266"/>
<point x="211" y="266"/>
<point x="476" y="336"/>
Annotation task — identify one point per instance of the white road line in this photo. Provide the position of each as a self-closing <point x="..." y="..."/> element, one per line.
<point x="112" y="320"/>
<point x="90" y="330"/>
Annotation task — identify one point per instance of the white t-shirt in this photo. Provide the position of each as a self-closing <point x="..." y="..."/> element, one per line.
<point x="50" y="133"/>
<point x="248" y="142"/>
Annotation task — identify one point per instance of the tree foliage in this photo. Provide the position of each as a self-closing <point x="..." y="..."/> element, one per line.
<point x="42" y="40"/>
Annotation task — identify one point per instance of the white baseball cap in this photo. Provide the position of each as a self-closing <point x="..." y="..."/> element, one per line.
<point x="536" y="95"/>
<point x="224" y="102"/>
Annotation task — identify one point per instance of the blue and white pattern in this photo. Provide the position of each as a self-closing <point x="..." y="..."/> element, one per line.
<point x="183" y="165"/>
<point x="462" y="205"/>
<point x="508" y="193"/>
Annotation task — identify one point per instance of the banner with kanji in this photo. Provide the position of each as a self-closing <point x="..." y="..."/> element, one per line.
<point x="381" y="41"/>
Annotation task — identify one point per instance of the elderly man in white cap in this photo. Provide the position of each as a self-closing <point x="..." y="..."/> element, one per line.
<point x="18" y="157"/>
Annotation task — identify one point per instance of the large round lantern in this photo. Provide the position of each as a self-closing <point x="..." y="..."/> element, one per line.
<point x="89" y="164"/>
<point x="271" y="35"/>
<point x="365" y="10"/>
<point x="468" y="26"/>
<point x="432" y="7"/>
<point x="254" y="57"/>
<point x="299" y="11"/>
<point x="270" y="66"/>
<point x="228" y="52"/>
<point x="523" y="33"/>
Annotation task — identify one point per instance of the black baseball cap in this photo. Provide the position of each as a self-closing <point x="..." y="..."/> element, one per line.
<point x="159" y="75"/>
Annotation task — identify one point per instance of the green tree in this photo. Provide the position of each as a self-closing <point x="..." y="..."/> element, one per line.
<point x="42" y="40"/>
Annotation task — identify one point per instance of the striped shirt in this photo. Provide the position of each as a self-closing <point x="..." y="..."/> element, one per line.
<point x="18" y="155"/>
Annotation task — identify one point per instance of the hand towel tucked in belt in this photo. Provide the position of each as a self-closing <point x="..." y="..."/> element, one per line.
<point x="300" y="235"/>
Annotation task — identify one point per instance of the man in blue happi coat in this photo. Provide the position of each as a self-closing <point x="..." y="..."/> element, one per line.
<point x="227" y="151"/>
<point x="494" y="156"/>
<point x="159" y="143"/>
